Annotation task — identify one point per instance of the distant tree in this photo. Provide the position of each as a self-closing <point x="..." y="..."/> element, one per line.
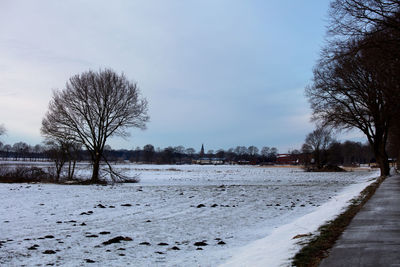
<point x="58" y="156"/>
<point x="7" y="149"/>
<point x="190" y="151"/>
<point x="318" y="143"/>
<point x="252" y="150"/>
<point x="230" y="155"/>
<point x="38" y="150"/>
<point x="62" y="152"/>
<point x="148" y="153"/>
<point x="295" y="152"/>
<point x="21" y="150"/>
<point x="220" y="154"/>
<point x="93" y="107"/>
<point x="179" y="149"/>
<point x="306" y="148"/>
<point x="265" y="151"/>
<point x="273" y="153"/>
<point x="335" y="153"/>
<point x="168" y="155"/>
<point x="241" y="152"/>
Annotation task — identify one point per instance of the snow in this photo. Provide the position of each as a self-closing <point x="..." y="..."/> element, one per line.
<point x="280" y="246"/>
<point x="258" y="211"/>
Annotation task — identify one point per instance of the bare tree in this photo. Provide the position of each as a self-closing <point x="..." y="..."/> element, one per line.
<point x="73" y="152"/>
<point x="190" y="151"/>
<point x="317" y="142"/>
<point x="21" y="150"/>
<point x="265" y="151"/>
<point x="272" y="155"/>
<point x="93" y="107"/>
<point x="352" y="91"/>
<point x="220" y="153"/>
<point x="253" y="151"/>
<point x="7" y="149"/>
<point x="363" y="57"/>
<point x="148" y="153"/>
<point x="57" y="154"/>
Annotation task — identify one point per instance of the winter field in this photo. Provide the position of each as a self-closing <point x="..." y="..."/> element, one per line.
<point x="185" y="215"/>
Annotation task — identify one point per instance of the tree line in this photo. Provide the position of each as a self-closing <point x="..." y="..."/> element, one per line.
<point x="324" y="150"/>
<point x="148" y="154"/>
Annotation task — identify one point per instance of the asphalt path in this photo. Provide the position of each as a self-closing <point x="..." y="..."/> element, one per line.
<point x="373" y="236"/>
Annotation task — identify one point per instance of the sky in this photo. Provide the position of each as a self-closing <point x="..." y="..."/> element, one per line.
<point x="221" y="73"/>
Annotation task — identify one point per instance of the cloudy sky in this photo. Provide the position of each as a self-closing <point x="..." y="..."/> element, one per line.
<point x="219" y="72"/>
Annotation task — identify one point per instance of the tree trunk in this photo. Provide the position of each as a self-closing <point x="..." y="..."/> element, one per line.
<point x="59" y="167"/>
<point x="73" y="170"/>
<point x="382" y="159"/>
<point x="69" y="170"/>
<point x="96" y="168"/>
<point x="58" y="176"/>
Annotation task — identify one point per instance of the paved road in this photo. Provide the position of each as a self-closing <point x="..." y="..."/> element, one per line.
<point x="373" y="236"/>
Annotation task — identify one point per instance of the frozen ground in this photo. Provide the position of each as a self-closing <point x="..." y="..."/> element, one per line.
<point x="171" y="209"/>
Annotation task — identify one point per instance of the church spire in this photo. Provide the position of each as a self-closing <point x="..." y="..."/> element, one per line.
<point x="202" y="151"/>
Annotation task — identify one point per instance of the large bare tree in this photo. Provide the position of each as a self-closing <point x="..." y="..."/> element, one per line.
<point x="356" y="81"/>
<point x="91" y="108"/>
<point x="352" y="92"/>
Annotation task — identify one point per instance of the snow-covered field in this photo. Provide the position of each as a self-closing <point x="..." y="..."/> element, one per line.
<point x="184" y="215"/>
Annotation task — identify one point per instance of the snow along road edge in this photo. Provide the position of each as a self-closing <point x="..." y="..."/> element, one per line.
<point x="279" y="247"/>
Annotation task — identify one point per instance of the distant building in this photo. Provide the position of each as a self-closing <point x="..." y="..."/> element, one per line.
<point x="203" y="160"/>
<point x="293" y="159"/>
<point x="209" y="161"/>
<point x="285" y="159"/>
<point x="202" y="151"/>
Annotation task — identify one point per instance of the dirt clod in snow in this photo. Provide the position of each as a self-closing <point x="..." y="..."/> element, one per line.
<point x="104" y="233"/>
<point x="91" y="236"/>
<point x="117" y="239"/>
<point x="49" y="251"/>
